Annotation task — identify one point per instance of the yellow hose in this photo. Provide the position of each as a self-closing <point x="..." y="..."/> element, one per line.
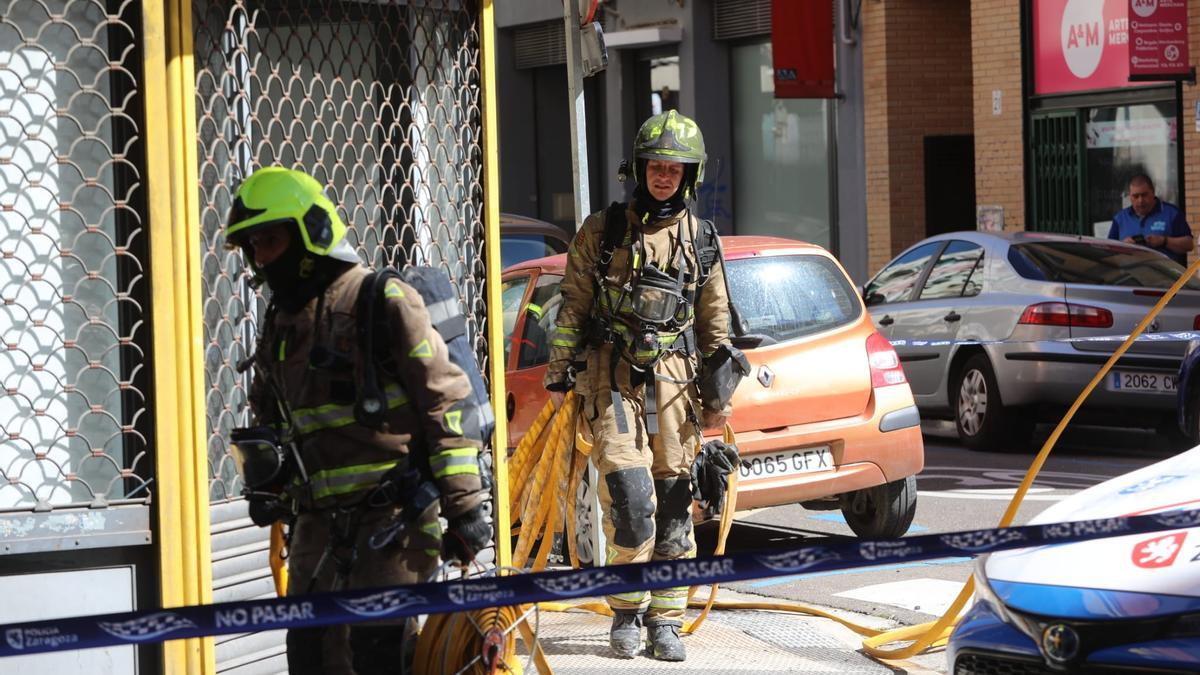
<point x="279" y="570"/>
<point x="922" y="636"/>
<point x="937" y="632"/>
<point x="555" y="450"/>
<point x="449" y="642"/>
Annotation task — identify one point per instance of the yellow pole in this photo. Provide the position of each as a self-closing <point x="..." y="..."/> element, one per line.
<point x="168" y="500"/>
<point x="185" y="202"/>
<point x="172" y="186"/>
<point x="495" y="320"/>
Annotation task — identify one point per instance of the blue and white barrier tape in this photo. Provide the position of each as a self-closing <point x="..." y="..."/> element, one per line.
<point x="1175" y="336"/>
<point x="157" y="625"/>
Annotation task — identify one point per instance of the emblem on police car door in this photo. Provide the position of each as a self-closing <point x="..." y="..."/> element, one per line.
<point x="765" y="376"/>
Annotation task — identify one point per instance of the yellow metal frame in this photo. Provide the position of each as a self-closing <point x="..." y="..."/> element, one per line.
<point x="174" y="238"/>
<point x="495" y="321"/>
<point x="173" y="200"/>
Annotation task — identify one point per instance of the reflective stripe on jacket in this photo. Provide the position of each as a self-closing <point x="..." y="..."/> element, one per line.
<point x="425" y="394"/>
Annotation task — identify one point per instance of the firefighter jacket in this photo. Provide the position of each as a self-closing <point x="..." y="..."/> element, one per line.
<point x="314" y="359"/>
<point x="706" y="322"/>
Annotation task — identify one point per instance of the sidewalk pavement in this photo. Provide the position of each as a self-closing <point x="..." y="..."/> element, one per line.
<point x="729" y="642"/>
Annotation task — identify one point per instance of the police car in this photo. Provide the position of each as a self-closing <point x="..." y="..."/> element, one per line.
<point x="1119" y="605"/>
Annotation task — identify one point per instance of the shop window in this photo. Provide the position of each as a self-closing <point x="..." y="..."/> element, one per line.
<point x="781" y="167"/>
<point x="1121" y="142"/>
<point x="657" y="81"/>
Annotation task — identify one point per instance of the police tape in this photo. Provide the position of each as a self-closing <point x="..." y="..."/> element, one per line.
<point x="1172" y="336"/>
<point x="397" y="602"/>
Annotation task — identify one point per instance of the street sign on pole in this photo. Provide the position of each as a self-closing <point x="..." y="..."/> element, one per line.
<point x="579" y="165"/>
<point x="583" y="202"/>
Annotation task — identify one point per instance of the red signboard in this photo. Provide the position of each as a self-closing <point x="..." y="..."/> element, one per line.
<point x="802" y="48"/>
<point x="1158" y="39"/>
<point x="1080" y="45"/>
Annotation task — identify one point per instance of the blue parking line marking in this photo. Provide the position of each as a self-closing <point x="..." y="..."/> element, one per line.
<point x="839" y="518"/>
<point x="875" y="568"/>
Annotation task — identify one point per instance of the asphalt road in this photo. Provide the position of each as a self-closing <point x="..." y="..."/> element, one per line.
<point x="959" y="489"/>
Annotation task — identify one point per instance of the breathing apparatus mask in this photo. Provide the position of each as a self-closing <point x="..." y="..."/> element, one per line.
<point x="657" y="301"/>
<point x="266" y="465"/>
<point x="657" y="298"/>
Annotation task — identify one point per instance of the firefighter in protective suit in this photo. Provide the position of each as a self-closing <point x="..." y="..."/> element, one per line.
<point x="348" y="530"/>
<point x="644" y="302"/>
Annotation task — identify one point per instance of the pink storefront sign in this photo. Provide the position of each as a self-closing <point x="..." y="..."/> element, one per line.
<point x="1080" y="45"/>
<point x="1158" y="39"/>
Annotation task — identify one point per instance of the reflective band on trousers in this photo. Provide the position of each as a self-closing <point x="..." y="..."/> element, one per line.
<point x="632" y="598"/>
<point x="454" y="462"/>
<point x="334" y="482"/>
<point x="335" y="415"/>
<point x="670" y="598"/>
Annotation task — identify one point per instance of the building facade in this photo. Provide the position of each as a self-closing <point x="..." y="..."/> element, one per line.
<point x="948" y="116"/>
<point x="1031" y="98"/>
<point x="776" y="166"/>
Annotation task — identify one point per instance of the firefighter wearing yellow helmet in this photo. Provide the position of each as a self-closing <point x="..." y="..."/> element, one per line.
<point x="360" y="487"/>
<point x="644" y="302"/>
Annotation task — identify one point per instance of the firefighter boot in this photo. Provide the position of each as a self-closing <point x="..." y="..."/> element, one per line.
<point x="625" y="638"/>
<point x="665" y="644"/>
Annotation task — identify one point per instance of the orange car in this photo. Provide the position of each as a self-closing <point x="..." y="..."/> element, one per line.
<point x="826" y="417"/>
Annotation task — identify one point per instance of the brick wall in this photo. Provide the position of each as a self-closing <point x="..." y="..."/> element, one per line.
<point x="1190" y="137"/>
<point x="999" y="143"/>
<point x="875" y="131"/>
<point x="917" y="76"/>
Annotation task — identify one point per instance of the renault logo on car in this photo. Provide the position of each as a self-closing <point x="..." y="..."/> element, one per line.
<point x="1060" y="643"/>
<point x="765" y="376"/>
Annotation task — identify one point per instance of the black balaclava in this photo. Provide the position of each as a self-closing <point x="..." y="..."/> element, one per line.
<point x="290" y="289"/>
<point x="645" y="203"/>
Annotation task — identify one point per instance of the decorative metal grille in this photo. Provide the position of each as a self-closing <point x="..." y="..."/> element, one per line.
<point x="1057" y="168"/>
<point x="73" y="337"/>
<point x="380" y="101"/>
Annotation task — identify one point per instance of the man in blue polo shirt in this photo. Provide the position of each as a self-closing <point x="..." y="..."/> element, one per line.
<point x="1151" y="222"/>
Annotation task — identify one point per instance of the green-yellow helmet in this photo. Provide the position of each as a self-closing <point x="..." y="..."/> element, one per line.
<point x="673" y="137"/>
<point x="274" y="195"/>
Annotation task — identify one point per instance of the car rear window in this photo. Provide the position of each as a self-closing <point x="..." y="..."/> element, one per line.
<point x="517" y="248"/>
<point x="1098" y="263"/>
<point x="789" y="296"/>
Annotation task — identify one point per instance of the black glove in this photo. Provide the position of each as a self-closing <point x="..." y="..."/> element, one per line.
<point x="467" y="535"/>
<point x="567" y="383"/>
<point x="267" y="508"/>
<point x="712" y="465"/>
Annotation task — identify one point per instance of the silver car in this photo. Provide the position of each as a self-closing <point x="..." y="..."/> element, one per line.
<point x="1028" y="290"/>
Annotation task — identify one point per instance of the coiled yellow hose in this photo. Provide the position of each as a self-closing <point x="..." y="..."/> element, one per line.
<point x="478" y="642"/>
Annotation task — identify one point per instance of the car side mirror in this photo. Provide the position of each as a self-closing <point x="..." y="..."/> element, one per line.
<point x="873" y="298"/>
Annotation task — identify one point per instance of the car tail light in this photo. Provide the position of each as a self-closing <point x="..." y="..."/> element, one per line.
<point x="884" y="362"/>
<point x="1196" y="322"/>
<point x="1066" y="314"/>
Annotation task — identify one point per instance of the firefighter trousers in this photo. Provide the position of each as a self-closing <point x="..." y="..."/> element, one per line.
<point x="645" y="479"/>
<point x="360" y="648"/>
